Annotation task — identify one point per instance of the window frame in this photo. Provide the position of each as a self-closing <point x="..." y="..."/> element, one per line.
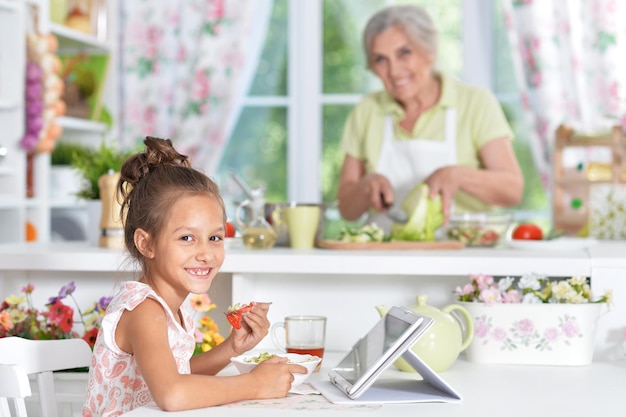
<point x="305" y="98"/>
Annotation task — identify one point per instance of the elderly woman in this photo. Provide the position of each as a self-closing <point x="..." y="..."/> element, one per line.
<point x="424" y="127"/>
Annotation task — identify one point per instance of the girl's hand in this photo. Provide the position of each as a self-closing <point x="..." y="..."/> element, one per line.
<point x="255" y="326"/>
<point x="274" y="376"/>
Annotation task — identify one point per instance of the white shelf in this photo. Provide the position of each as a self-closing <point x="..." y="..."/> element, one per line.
<point x="9" y="202"/>
<point x="72" y="41"/>
<point x="8" y="105"/>
<point x="15" y="208"/>
<point x="67" y="203"/>
<point x="33" y="202"/>
<point x="82" y="125"/>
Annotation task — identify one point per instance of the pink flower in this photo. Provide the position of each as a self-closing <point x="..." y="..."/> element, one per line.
<point x="512" y="296"/>
<point x="181" y="56"/>
<point x="201" y="86"/>
<point x="526" y="327"/>
<point x="481" y="328"/>
<point x="536" y="79"/>
<point x="482" y="281"/>
<point x="467" y="289"/>
<point x="215" y="10"/>
<point x="551" y="334"/>
<point x="499" y="334"/>
<point x="490" y="296"/>
<point x="198" y="335"/>
<point x="570" y="327"/>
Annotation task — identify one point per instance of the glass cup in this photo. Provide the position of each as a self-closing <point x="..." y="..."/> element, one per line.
<point x="303" y="335"/>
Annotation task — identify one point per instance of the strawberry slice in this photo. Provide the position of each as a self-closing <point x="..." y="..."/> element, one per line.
<point x="234" y="314"/>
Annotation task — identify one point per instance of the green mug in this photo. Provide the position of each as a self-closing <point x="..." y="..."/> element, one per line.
<point x="302" y="224"/>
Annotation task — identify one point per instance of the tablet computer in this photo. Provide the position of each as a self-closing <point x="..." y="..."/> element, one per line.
<point x="392" y="335"/>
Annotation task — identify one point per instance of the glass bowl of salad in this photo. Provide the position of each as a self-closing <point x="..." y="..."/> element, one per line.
<point x="478" y="229"/>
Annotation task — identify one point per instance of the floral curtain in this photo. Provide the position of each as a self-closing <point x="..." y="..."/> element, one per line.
<point x="570" y="63"/>
<point x="185" y="66"/>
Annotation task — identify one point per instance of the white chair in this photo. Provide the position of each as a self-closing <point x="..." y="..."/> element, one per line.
<point x="14" y="386"/>
<point x="40" y="358"/>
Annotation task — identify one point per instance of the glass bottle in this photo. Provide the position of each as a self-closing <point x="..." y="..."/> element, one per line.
<point x="256" y="232"/>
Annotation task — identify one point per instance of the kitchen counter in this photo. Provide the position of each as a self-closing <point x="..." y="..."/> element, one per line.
<point x="343" y="285"/>
<point x="500" y="261"/>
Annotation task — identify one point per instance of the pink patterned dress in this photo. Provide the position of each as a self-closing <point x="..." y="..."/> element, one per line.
<point x="115" y="384"/>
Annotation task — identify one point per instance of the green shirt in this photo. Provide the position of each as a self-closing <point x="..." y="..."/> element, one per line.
<point x="480" y="119"/>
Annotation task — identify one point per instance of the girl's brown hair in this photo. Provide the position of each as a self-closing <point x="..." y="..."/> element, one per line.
<point x="151" y="182"/>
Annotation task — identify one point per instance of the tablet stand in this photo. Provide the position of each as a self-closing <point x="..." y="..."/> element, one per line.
<point x="432" y="388"/>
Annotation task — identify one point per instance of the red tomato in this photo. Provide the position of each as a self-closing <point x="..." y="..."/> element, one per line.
<point x="528" y="231"/>
<point x="230" y="229"/>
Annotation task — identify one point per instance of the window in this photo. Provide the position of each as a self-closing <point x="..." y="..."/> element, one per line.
<point x="312" y="72"/>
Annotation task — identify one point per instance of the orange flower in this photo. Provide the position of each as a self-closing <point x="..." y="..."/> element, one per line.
<point x="208" y="323"/>
<point x="5" y="321"/>
<point x="201" y="302"/>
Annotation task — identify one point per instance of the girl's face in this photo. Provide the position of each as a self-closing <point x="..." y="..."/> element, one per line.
<point x="404" y="69"/>
<point x="189" y="250"/>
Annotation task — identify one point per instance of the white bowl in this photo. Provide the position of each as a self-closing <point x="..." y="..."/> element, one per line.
<point x="245" y="364"/>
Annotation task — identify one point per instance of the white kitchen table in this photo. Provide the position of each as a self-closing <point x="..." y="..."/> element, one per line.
<point x="487" y="391"/>
<point x="347" y="285"/>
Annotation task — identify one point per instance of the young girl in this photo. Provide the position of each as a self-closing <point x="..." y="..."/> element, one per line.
<point x="174" y="228"/>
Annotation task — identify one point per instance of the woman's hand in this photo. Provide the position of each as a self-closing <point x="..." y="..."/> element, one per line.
<point x="445" y="182"/>
<point x="255" y="327"/>
<point x="378" y="190"/>
<point x="498" y="183"/>
<point x="358" y="191"/>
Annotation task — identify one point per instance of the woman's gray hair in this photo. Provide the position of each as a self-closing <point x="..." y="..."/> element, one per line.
<point x="416" y="23"/>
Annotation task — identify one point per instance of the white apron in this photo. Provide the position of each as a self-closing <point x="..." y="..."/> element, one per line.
<point x="406" y="163"/>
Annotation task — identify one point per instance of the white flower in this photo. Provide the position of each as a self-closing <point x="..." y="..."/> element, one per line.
<point x="531" y="288"/>
<point x="530" y="281"/>
<point x="505" y="283"/>
<point x="563" y="291"/>
<point x="578" y="280"/>
<point x="576" y="298"/>
<point x="531" y="299"/>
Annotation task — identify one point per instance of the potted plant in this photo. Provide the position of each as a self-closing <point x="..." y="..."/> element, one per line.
<point x="65" y="180"/>
<point x="94" y="163"/>
<point x="532" y="319"/>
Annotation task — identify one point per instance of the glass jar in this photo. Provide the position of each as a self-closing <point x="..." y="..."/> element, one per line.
<point x="256" y="232"/>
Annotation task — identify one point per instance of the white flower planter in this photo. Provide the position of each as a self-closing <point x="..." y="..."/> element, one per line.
<point x="533" y="334"/>
<point x="65" y="182"/>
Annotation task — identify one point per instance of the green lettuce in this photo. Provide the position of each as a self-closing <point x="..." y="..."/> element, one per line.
<point x="425" y="216"/>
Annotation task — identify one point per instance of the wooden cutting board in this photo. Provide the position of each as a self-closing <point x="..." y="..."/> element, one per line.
<point x="402" y="245"/>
